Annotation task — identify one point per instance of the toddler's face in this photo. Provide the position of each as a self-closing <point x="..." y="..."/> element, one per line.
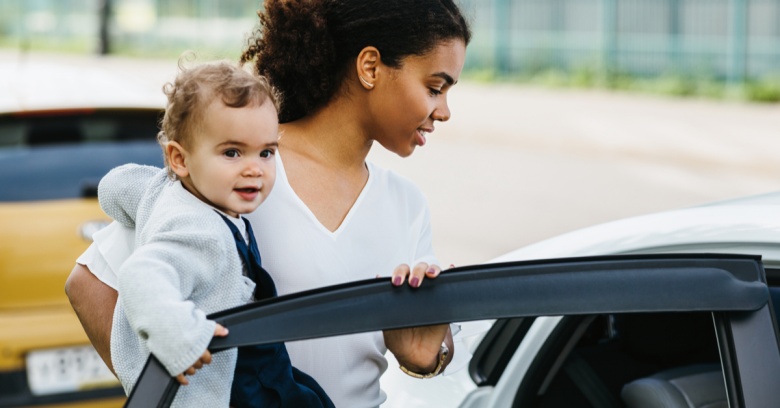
<point x="231" y="160"/>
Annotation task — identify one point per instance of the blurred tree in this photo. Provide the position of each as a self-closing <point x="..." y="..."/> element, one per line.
<point x="104" y="15"/>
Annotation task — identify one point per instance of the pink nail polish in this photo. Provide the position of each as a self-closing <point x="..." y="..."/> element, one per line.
<point x="431" y="271"/>
<point x="415" y="282"/>
<point x="397" y="281"/>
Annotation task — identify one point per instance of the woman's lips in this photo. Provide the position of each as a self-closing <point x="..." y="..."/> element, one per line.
<point x="421" y="137"/>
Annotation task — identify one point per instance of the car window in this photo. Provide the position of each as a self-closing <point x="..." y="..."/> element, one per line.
<point x="63" y="154"/>
<point x="591" y="360"/>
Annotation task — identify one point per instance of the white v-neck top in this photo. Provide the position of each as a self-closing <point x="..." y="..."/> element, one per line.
<point x="389" y="224"/>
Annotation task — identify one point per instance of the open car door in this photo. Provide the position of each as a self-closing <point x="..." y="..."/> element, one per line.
<point x="732" y="287"/>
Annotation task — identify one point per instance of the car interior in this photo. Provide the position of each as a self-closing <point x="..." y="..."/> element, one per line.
<point x="630" y="360"/>
<point x="616" y="360"/>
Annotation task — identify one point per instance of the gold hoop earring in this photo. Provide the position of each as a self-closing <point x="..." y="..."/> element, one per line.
<point x="366" y="83"/>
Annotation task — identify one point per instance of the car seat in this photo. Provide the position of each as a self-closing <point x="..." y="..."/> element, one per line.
<point x="694" y="386"/>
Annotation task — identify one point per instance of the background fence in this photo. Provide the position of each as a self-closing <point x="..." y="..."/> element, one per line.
<point x="724" y="39"/>
<point x="727" y="40"/>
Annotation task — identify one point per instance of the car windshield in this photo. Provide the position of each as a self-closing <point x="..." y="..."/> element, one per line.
<point x="62" y="154"/>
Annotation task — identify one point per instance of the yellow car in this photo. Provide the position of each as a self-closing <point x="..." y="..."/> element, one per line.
<point x="54" y="148"/>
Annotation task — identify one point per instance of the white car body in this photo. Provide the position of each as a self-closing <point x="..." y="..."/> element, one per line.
<point x="747" y="225"/>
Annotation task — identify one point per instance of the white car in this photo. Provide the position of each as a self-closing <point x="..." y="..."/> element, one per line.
<point x="748" y="225"/>
<point x="667" y="310"/>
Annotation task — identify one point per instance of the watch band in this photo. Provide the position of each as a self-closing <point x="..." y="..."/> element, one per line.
<point x="443" y="352"/>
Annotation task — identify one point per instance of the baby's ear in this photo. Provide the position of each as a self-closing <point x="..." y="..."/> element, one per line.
<point x="176" y="154"/>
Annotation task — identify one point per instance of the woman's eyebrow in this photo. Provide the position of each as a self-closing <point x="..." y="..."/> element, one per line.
<point x="446" y="77"/>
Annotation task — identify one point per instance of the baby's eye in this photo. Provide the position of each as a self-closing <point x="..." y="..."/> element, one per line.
<point x="231" y="153"/>
<point x="266" y="153"/>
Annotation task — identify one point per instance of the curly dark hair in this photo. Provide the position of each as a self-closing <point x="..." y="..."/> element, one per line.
<point x="304" y="47"/>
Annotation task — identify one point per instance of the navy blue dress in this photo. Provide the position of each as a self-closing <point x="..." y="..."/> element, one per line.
<point x="264" y="375"/>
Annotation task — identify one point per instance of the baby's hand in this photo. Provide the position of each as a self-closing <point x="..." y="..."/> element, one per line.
<point x="204" y="359"/>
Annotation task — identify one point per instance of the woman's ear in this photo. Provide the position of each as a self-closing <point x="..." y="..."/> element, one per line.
<point x="366" y="64"/>
<point x="177" y="156"/>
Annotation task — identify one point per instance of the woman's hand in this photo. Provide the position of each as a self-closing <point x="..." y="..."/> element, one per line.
<point x="204" y="359"/>
<point x="417" y="348"/>
<point x="416" y="275"/>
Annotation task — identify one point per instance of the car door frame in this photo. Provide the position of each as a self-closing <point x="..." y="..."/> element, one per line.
<point x="732" y="285"/>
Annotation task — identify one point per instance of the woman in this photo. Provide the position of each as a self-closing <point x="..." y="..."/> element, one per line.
<point x="349" y="73"/>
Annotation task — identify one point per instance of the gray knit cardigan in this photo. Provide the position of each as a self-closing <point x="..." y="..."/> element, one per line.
<point x="185" y="266"/>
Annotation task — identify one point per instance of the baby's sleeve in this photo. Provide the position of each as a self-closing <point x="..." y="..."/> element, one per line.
<point x="156" y="287"/>
<point x="121" y="190"/>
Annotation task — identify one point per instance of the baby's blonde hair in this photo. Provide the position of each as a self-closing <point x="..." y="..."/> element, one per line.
<point x="195" y="88"/>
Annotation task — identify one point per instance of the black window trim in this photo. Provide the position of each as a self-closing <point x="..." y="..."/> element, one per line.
<point x="497" y="347"/>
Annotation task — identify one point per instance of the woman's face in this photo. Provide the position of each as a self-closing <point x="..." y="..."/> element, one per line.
<point x="414" y="96"/>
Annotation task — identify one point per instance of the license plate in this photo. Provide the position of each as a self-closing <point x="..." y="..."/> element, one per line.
<point x="71" y="369"/>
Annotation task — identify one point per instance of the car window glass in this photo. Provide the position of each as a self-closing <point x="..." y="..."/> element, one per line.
<point x="590" y="360"/>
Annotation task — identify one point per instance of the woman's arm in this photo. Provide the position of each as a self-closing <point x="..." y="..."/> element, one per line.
<point x="94" y="304"/>
<point x="417" y="348"/>
<point x="92" y="299"/>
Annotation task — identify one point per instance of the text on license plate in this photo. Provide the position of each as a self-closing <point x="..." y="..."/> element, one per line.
<point x="70" y="369"/>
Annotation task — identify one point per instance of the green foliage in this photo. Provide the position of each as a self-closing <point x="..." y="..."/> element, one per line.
<point x="674" y="84"/>
<point x="763" y="90"/>
<point x="482" y="75"/>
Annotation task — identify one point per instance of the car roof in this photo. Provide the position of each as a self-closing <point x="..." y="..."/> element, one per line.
<point x="748" y="225"/>
<point x="30" y="85"/>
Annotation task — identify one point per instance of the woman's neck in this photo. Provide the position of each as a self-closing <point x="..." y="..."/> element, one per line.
<point x="333" y="137"/>
<point x="324" y="160"/>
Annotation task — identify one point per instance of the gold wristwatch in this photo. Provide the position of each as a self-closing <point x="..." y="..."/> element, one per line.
<point x="443" y="352"/>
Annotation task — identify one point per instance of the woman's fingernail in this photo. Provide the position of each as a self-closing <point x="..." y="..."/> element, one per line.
<point x="431" y="271"/>
<point x="397" y="281"/>
<point x="415" y="282"/>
